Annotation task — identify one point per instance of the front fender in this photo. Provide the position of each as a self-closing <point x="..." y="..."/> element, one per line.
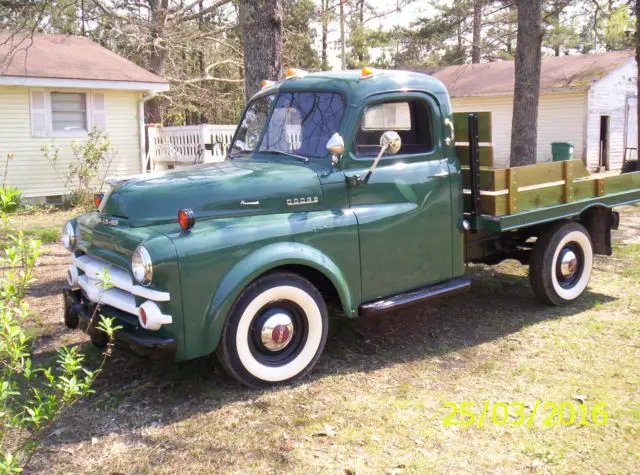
<point x="261" y="261"/>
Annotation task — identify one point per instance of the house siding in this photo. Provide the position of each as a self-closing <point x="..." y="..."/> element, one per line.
<point x="31" y="172"/>
<point x="608" y="96"/>
<point x="561" y="118"/>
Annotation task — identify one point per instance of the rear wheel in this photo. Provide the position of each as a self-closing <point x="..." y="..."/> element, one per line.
<point x="275" y="332"/>
<point x="561" y="264"/>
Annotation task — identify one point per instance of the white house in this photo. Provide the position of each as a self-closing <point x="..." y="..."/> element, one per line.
<point x="54" y="89"/>
<point x="588" y="100"/>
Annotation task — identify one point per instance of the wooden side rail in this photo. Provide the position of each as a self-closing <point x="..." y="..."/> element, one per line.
<point x="520" y="189"/>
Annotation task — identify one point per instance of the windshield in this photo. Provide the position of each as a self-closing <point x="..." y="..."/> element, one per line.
<point x="301" y="123"/>
<point x="252" y="124"/>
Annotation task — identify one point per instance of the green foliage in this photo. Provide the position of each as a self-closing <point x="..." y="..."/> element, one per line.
<point x="606" y="25"/>
<point x="31" y="397"/>
<point x="618" y="29"/>
<point x="298" y="35"/>
<point x="10" y="199"/>
<point x="89" y="166"/>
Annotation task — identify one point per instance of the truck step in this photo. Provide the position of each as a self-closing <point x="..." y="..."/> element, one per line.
<point x="417" y="296"/>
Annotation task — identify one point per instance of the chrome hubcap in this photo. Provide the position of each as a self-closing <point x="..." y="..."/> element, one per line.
<point x="568" y="264"/>
<point x="277" y="331"/>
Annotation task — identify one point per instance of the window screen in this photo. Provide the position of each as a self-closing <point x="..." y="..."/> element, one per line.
<point x="68" y="111"/>
<point x="411" y="119"/>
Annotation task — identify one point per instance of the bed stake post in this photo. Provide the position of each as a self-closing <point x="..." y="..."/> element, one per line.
<point x="474" y="165"/>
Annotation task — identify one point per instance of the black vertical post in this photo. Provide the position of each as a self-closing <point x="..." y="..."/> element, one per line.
<point x="474" y="164"/>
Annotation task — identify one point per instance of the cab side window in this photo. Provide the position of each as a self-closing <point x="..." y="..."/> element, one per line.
<point x="411" y="119"/>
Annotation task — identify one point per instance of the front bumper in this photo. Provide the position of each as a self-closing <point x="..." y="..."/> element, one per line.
<point x="77" y="314"/>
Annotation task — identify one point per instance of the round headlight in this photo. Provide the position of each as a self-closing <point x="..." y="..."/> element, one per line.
<point x="68" y="236"/>
<point x="141" y="266"/>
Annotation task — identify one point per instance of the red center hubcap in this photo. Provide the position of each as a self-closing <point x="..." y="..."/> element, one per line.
<point x="280" y="334"/>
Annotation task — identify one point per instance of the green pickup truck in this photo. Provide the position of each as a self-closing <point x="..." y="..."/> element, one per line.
<point x="342" y="190"/>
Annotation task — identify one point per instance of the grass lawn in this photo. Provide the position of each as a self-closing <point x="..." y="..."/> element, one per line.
<point x="44" y="225"/>
<point x="376" y="402"/>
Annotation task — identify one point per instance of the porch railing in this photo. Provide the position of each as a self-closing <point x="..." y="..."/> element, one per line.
<point x="170" y="147"/>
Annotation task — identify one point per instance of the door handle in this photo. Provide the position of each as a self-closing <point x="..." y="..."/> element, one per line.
<point x="449" y="123"/>
<point x="439" y="175"/>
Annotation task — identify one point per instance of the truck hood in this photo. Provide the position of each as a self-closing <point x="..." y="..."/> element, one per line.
<point x="229" y="188"/>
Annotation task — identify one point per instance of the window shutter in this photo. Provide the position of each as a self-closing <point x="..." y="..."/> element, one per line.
<point x="98" y="111"/>
<point x="39" y="113"/>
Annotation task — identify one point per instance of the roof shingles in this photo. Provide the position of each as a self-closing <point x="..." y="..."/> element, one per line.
<point x="558" y="72"/>
<point x="66" y="57"/>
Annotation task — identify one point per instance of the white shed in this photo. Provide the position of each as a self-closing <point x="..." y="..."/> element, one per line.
<point x="588" y="100"/>
<point x="53" y="90"/>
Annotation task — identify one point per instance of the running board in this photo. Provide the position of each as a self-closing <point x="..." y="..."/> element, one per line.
<point x="405" y="299"/>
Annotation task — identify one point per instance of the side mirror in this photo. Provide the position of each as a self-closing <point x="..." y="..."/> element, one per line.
<point x="390" y="142"/>
<point x="335" y="146"/>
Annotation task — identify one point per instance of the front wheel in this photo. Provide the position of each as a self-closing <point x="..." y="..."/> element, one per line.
<point x="561" y="264"/>
<point x="276" y="331"/>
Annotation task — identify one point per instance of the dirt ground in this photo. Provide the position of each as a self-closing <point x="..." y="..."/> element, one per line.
<point x="376" y="402"/>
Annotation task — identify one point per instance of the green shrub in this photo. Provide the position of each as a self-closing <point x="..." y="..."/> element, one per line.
<point x="89" y="166"/>
<point x="10" y="199"/>
<point x="31" y="398"/>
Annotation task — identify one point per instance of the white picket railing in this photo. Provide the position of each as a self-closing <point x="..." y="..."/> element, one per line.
<point x="170" y="147"/>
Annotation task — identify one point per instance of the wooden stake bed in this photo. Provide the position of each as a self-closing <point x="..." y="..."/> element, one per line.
<point x="512" y="198"/>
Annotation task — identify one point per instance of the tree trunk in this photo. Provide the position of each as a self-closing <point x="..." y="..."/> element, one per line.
<point x="524" y="133"/>
<point x="261" y="24"/>
<point x="361" y="25"/>
<point x="343" y="57"/>
<point x="156" y="55"/>
<point x="638" y="78"/>
<point x="325" y="31"/>
<point x="477" y="31"/>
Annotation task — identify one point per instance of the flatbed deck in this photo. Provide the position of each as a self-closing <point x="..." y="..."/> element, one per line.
<point x="513" y="198"/>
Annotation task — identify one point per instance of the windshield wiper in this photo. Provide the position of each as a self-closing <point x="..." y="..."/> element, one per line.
<point x="237" y="153"/>
<point x="288" y="154"/>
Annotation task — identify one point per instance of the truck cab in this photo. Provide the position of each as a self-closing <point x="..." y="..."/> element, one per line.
<point x="341" y="190"/>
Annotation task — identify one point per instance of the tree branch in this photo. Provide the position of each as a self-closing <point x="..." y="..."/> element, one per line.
<point x="182" y="18"/>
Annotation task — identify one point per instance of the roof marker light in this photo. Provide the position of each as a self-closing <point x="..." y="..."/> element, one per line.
<point x="295" y="73"/>
<point x="186" y="218"/>
<point x="367" y="72"/>
<point x="267" y="83"/>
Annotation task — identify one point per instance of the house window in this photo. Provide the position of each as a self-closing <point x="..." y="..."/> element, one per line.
<point x="68" y="111"/>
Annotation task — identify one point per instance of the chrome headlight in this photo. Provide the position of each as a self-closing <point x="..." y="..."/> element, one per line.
<point x="69" y="237"/>
<point x="141" y="266"/>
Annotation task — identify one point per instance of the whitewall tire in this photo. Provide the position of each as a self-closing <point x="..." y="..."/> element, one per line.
<point x="561" y="264"/>
<point x="275" y="332"/>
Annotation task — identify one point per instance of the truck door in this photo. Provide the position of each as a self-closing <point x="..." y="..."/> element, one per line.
<point x="404" y="211"/>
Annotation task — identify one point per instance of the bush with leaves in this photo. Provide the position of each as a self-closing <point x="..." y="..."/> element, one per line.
<point x="88" y="167"/>
<point x="10" y="198"/>
<point x="31" y="397"/>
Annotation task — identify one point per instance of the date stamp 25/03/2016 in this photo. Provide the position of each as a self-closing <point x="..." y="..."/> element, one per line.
<point x="521" y="414"/>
